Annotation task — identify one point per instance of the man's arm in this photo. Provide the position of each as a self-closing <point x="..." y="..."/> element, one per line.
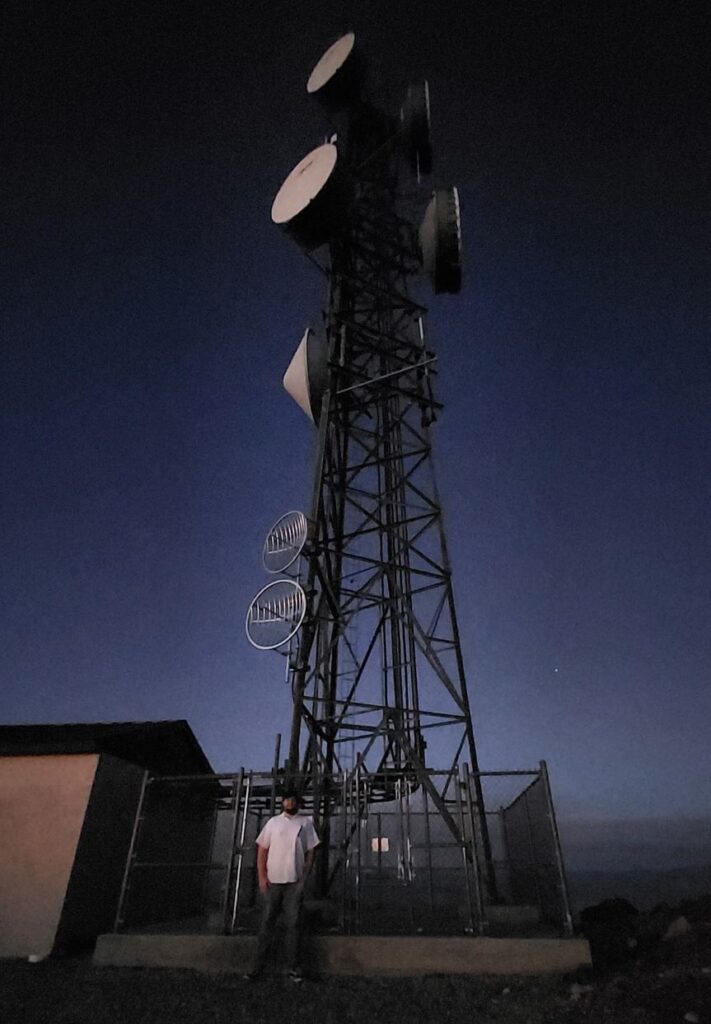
<point x="308" y="864"/>
<point x="262" y="853"/>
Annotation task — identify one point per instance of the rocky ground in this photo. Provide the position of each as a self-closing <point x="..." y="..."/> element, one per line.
<point x="653" y="967"/>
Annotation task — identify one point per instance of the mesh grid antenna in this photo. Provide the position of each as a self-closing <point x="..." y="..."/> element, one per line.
<point x="275" y="614"/>
<point x="285" y="542"/>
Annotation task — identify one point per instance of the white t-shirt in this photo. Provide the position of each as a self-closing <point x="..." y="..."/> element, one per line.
<point x="287" y="838"/>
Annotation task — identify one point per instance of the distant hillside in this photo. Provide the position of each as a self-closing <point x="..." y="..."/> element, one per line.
<point x="644" y="889"/>
<point x="635" y="844"/>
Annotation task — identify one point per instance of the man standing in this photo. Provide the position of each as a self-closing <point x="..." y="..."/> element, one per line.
<point x="285" y="855"/>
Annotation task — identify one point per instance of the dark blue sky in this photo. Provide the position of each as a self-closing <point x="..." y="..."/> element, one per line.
<point x="150" y="309"/>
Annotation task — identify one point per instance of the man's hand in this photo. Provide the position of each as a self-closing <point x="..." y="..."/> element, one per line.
<point x="263" y="883"/>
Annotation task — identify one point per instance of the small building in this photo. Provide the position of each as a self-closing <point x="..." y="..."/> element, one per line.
<point x="68" y="801"/>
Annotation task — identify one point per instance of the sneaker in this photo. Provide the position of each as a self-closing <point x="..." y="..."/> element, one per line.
<point x="253" y="975"/>
<point x="295" y="976"/>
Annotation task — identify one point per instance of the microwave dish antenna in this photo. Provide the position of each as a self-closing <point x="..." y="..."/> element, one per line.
<point x="311" y="204"/>
<point x="306" y="377"/>
<point x="285" y="542"/>
<point x="337" y="78"/>
<point x="441" y="241"/>
<point x="416" y="132"/>
<point x="275" y="614"/>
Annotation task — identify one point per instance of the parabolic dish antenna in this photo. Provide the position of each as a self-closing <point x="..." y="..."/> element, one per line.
<point x="285" y="541"/>
<point x="415" y="118"/>
<point x="441" y="241"/>
<point x="306" y="377"/>
<point x="312" y="202"/>
<point x="275" y="614"/>
<point x="337" y="78"/>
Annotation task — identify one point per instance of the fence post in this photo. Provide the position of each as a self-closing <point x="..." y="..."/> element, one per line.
<point x="346" y="786"/>
<point x="481" y="921"/>
<point x="118" y="921"/>
<point x="237" y="797"/>
<point x="458" y="787"/>
<point x="240" y="853"/>
<point x="507" y="866"/>
<point x="428" y="844"/>
<point x="275" y="771"/>
<point x="357" y="906"/>
<point x="567" y="916"/>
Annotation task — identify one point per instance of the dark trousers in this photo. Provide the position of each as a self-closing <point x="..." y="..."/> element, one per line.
<point x="289" y="897"/>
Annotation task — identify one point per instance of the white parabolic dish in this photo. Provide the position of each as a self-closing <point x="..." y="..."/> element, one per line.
<point x="304" y="183"/>
<point x="332" y="61"/>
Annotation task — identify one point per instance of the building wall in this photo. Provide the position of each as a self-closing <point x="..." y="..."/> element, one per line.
<point x="94" y="888"/>
<point x="43" y="800"/>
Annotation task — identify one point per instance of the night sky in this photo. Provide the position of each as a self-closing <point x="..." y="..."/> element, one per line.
<point x="150" y="309"/>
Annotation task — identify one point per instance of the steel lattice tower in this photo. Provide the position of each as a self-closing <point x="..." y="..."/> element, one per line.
<point x="377" y="667"/>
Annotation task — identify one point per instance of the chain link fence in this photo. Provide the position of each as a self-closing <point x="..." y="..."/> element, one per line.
<point x="396" y="858"/>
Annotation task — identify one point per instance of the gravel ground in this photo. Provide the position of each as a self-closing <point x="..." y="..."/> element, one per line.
<point x="76" y="992"/>
<point x="652" y="980"/>
<point x="73" y="992"/>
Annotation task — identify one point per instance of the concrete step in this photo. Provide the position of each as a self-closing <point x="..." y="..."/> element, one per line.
<point x="512" y="914"/>
<point x="355" y="955"/>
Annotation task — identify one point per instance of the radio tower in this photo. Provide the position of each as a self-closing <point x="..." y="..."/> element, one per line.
<point x="375" y="661"/>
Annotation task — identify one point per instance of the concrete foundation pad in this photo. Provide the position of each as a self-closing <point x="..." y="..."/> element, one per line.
<point x="354" y="955"/>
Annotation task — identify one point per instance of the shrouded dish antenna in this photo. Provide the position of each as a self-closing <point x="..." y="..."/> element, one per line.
<point x="275" y="614"/>
<point x="416" y="136"/>
<point x="312" y="204"/>
<point x="337" y="78"/>
<point x="306" y="377"/>
<point x="285" y="542"/>
<point x="441" y="241"/>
